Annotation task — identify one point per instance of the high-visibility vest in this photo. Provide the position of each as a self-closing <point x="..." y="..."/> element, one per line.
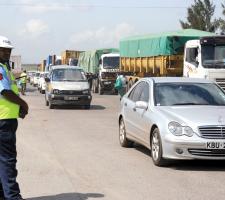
<point x="23" y="78"/>
<point x="9" y="110"/>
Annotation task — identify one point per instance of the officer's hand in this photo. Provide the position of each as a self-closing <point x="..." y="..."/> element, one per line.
<point x="25" y="107"/>
<point x="22" y="113"/>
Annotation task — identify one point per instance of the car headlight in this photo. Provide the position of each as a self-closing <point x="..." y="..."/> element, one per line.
<point x="86" y="91"/>
<point x="55" y="91"/>
<point x="179" y="130"/>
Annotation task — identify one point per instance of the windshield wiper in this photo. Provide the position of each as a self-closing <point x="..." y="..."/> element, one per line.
<point x="180" y="104"/>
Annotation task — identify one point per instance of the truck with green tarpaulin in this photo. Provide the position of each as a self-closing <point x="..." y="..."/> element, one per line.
<point x="172" y="54"/>
<point x="101" y="67"/>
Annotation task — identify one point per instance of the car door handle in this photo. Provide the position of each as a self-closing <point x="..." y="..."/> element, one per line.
<point x="134" y="109"/>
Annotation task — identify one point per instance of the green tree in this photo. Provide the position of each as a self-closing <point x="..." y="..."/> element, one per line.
<point x="200" y="16"/>
<point x="222" y="21"/>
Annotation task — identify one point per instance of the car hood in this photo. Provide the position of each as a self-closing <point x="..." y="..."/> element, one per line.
<point x="195" y="115"/>
<point x="70" y="85"/>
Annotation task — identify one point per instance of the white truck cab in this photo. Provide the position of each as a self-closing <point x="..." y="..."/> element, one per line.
<point x="108" y="69"/>
<point x="205" y="58"/>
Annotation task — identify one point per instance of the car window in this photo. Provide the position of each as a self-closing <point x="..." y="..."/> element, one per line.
<point x="145" y="92"/>
<point x="136" y="92"/>
<point x="175" y="94"/>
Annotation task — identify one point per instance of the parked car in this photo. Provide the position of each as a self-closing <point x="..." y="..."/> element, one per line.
<point x="176" y="118"/>
<point x="67" y="85"/>
<point x="42" y="83"/>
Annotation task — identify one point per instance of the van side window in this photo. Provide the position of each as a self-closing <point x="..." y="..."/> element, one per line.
<point x="191" y="54"/>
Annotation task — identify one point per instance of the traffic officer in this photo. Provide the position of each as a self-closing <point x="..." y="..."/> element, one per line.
<point x="11" y="107"/>
<point x="23" y="82"/>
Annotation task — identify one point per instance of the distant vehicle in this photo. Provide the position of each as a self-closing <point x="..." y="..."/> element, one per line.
<point x="177" y="118"/>
<point x="36" y="78"/>
<point x="41" y="82"/>
<point x="30" y="76"/>
<point x="67" y="85"/>
<point x="102" y="66"/>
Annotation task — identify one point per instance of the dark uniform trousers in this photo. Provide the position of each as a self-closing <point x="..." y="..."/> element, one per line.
<point x="8" y="172"/>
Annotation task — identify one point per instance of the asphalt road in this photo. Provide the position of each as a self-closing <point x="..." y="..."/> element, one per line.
<point x="74" y="154"/>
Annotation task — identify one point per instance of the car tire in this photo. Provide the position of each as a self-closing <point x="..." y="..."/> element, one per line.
<point x="156" y="149"/>
<point x="124" y="142"/>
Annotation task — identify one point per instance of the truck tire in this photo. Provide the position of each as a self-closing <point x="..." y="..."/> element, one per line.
<point x="95" y="85"/>
<point x="100" y="90"/>
<point x="130" y="84"/>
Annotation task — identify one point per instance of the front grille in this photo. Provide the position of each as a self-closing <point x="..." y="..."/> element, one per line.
<point x="70" y="92"/>
<point x="212" y="132"/>
<point x="207" y="152"/>
<point x="221" y="82"/>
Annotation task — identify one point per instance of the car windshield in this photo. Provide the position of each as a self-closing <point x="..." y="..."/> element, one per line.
<point x="68" y="75"/>
<point x="111" y="62"/>
<point x="176" y="94"/>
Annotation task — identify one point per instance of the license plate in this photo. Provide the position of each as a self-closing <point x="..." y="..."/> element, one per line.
<point x="107" y="83"/>
<point x="71" y="98"/>
<point x="215" y="145"/>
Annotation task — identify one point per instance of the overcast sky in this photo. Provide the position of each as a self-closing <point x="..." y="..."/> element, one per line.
<point x="38" y="28"/>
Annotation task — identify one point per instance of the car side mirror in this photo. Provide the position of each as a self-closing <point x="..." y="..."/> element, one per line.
<point x="47" y="80"/>
<point x="141" y="105"/>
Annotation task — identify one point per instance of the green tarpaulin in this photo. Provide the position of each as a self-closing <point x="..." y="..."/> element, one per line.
<point x="89" y="60"/>
<point x="168" y="43"/>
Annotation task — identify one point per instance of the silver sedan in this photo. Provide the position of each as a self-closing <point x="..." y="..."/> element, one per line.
<point x="176" y="118"/>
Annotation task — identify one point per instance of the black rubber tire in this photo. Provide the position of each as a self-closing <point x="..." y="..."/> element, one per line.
<point x="46" y="103"/>
<point x="130" y="84"/>
<point x="124" y="142"/>
<point x="51" y="106"/>
<point x="158" y="160"/>
<point x="100" y="91"/>
<point x="87" y="107"/>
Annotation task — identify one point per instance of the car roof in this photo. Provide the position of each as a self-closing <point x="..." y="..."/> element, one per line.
<point x="64" y="67"/>
<point x="177" y="80"/>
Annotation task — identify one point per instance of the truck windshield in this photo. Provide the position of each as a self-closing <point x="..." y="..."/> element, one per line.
<point x="177" y="94"/>
<point x="72" y="75"/>
<point x="111" y="62"/>
<point x="213" y="56"/>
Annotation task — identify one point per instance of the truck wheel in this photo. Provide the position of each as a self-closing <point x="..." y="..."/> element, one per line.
<point x="100" y="90"/>
<point x="51" y="106"/>
<point x="46" y="101"/>
<point x="130" y="84"/>
<point x="87" y="107"/>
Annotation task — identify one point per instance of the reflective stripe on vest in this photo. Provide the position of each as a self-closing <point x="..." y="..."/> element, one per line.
<point x="9" y="110"/>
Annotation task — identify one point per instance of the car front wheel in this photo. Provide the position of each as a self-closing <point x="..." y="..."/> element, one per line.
<point x="124" y="142"/>
<point x="156" y="149"/>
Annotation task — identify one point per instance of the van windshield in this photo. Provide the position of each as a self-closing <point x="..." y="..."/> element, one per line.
<point x="213" y="56"/>
<point x="111" y="62"/>
<point x="72" y="75"/>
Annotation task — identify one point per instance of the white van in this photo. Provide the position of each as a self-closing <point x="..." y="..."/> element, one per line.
<point x="67" y="85"/>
